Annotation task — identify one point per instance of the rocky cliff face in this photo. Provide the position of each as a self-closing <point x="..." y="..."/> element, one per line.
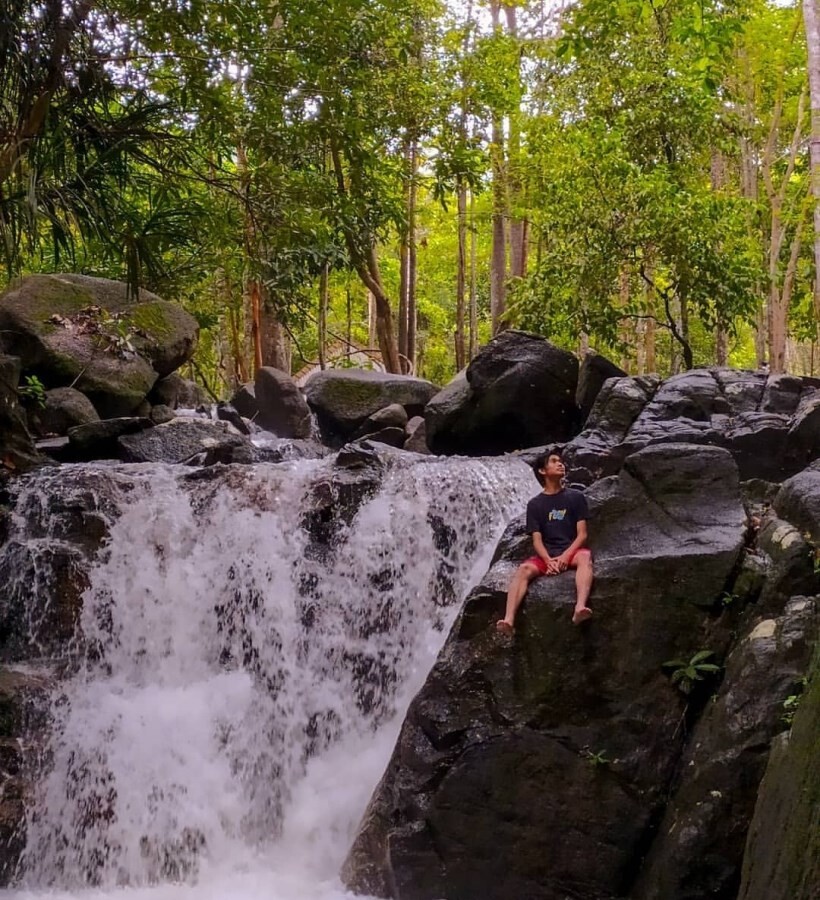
<point x="566" y="763"/>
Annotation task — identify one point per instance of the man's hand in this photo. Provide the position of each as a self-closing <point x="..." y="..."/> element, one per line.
<point x="552" y="566"/>
<point x="562" y="562"/>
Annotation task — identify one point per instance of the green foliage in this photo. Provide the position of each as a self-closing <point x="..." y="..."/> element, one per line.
<point x="194" y="148"/>
<point x="686" y="674"/>
<point x="33" y="390"/>
<point x="792" y="702"/>
<point x="596" y="759"/>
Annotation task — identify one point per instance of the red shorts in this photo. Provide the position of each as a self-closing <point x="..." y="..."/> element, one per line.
<point x="542" y="566"/>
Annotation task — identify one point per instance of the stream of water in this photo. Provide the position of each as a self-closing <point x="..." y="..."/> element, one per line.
<point x="240" y="689"/>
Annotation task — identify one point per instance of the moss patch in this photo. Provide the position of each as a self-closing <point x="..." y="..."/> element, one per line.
<point x="155" y="319"/>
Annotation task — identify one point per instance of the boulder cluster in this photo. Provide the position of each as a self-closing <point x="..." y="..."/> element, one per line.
<point x="667" y="749"/>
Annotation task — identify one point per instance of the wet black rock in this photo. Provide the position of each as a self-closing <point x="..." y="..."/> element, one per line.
<point x="770" y="424"/>
<point x="595" y="371"/>
<point x="524" y="770"/>
<point x="519" y="391"/>
<point x="61" y="409"/>
<point x="98" y="440"/>
<point x="17" y="451"/>
<point x="182" y="441"/>
<point x="283" y="409"/>
<point x="782" y="856"/>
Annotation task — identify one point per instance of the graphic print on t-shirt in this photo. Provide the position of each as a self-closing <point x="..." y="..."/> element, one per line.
<point x="555" y="517"/>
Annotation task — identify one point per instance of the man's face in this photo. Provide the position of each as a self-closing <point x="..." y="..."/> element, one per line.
<point x="554" y="467"/>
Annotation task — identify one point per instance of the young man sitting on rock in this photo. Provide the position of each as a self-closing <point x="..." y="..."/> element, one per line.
<point x="557" y="521"/>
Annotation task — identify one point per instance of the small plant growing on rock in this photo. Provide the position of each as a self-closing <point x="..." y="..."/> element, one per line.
<point x="791" y="703"/>
<point x="595" y="759"/>
<point x="686" y="674"/>
<point x="33" y="390"/>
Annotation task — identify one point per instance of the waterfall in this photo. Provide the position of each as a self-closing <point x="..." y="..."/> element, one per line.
<point x="237" y="684"/>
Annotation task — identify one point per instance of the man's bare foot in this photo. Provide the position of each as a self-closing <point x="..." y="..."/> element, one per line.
<point x="581" y="615"/>
<point x="502" y="626"/>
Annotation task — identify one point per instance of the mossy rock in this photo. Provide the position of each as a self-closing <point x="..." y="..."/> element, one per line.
<point x="115" y="356"/>
<point x="783" y="847"/>
<point x="344" y="398"/>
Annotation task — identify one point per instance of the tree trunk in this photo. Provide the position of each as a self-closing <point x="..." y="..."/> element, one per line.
<point x="324" y="284"/>
<point x="515" y="200"/>
<point x="498" y="264"/>
<point x="404" y="249"/>
<point x="412" y="268"/>
<point x="274" y="337"/>
<point x="461" y="274"/>
<point x="812" y="25"/>
<point x="473" y="280"/>
<point x="256" y="323"/>
<point x="625" y="325"/>
<point x="366" y="263"/>
<point x="372" y="339"/>
<point x="718" y="177"/>
<point x="721" y="346"/>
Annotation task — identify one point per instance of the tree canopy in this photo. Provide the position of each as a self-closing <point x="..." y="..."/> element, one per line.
<point x="405" y="178"/>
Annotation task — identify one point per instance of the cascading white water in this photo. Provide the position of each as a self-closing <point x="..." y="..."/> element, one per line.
<point x="242" y="685"/>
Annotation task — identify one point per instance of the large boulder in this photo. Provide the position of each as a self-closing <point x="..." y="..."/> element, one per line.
<point x="177" y="392"/>
<point x="281" y="407"/>
<point x="343" y="398"/>
<point x="62" y="408"/>
<point x="98" y="440"/>
<point x="87" y="333"/>
<point x="518" y="392"/>
<point x="538" y="769"/>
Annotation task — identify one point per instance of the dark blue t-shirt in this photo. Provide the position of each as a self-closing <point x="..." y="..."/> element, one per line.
<point x="556" y="517"/>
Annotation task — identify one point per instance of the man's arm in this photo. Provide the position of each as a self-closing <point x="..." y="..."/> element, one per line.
<point x="580" y="541"/>
<point x="540" y="549"/>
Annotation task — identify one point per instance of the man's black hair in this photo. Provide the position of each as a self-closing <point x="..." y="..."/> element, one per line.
<point x="541" y="462"/>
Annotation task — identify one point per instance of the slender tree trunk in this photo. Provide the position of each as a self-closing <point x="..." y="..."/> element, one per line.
<point x="811" y="21"/>
<point x="349" y="319"/>
<point x="238" y="367"/>
<point x="718" y="178"/>
<point x="412" y="262"/>
<point x="256" y="324"/>
<point x="473" y="280"/>
<point x="649" y="334"/>
<point x="372" y="339"/>
<point x="498" y="263"/>
<point x="404" y="249"/>
<point x="624" y="327"/>
<point x="461" y="274"/>
<point x="650" y="342"/>
<point x="366" y="263"/>
<point x="777" y="313"/>
<point x="324" y="285"/>
<point x="461" y="202"/>
<point x="515" y="199"/>
<point x="640" y="347"/>
<point x="684" y="321"/>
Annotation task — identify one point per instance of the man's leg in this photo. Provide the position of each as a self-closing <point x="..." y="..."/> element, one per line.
<point x="525" y="573"/>
<point x="582" y="563"/>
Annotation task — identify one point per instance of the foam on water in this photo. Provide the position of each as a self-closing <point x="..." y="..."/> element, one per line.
<point x="241" y="689"/>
